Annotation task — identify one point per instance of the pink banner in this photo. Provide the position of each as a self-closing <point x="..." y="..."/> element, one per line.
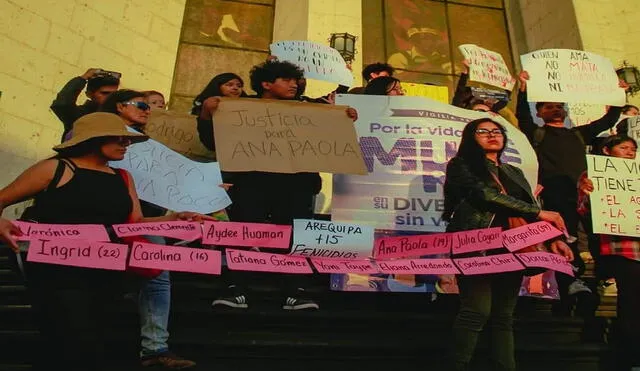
<point x="241" y="260"/>
<point x="182" y="230"/>
<point x="412" y="246"/>
<point x="77" y="253"/>
<point x="247" y="234"/>
<point x="518" y="238"/>
<point x="488" y="264"/>
<point x="543" y="259"/>
<point x="477" y="240"/>
<point x="38" y="231"/>
<point x="344" y="266"/>
<point x="418" y="266"/>
<point x="173" y="258"/>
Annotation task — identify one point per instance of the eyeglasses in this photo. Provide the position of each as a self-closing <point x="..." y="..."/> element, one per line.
<point x="487" y="132"/>
<point x="139" y="105"/>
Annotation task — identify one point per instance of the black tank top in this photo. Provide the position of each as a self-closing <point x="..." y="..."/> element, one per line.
<point x="89" y="197"/>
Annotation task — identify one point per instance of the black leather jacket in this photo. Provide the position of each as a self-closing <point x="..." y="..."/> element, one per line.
<point x="472" y="203"/>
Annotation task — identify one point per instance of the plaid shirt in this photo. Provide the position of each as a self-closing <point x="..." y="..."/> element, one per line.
<point x="627" y="247"/>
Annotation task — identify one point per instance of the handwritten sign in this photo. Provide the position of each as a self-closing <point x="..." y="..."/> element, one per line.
<point x="418" y="266"/>
<point x="173" y="258"/>
<point x="286" y="137"/>
<point x="572" y="76"/>
<point x="437" y="93"/>
<point x="477" y="240"/>
<point x="78" y="253"/>
<point x="182" y="230"/>
<point x="487" y="66"/>
<point x="177" y="131"/>
<point x="615" y="201"/>
<point x="488" y="264"/>
<point x="168" y="179"/>
<point x="584" y="113"/>
<point x="543" y="259"/>
<point x="318" y="61"/>
<point x="240" y="260"/>
<point x="38" y="231"/>
<point x="412" y="246"/>
<point x="344" y="266"/>
<point x="528" y="235"/>
<point x="247" y="234"/>
<point x="323" y="239"/>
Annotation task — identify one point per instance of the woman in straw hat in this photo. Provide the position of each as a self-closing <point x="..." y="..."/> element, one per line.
<point x="77" y="187"/>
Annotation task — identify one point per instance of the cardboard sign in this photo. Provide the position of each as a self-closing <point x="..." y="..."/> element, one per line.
<point x="437" y="93"/>
<point x="615" y="201"/>
<point x="413" y="246"/>
<point x="40" y="231"/>
<point x="572" y="76"/>
<point x="318" y="61"/>
<point x="174" y="258"/>
<point x="323" y="239"/>
<point x="240" y="260"/>
<point x="178" y="131"/>
<point x="406" y="143"/>
<point x="344" y="266"/>
<point x="170" y="180"/>
<point x="488" y="264"/>
<point x="528" y="235"/>
<point x="182" y="230"/>
<point x="543" y="259"/>
<point x="487" y="66"/>
<point x="418" y="266"/>
<point x="247" y="234"/>
<point x="78" y="253"/>
<point x="285" y="137"/>
<point x="633" y="128"/>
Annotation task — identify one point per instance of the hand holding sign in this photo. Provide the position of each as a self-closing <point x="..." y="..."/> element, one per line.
<point x="8" y="234"/>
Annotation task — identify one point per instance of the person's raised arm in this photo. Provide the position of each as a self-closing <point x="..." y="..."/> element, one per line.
<point x="523" y="112"/>
<point x="64" y="105"/>
<point x="590" y="131"/>
<point x="461" y="93"/>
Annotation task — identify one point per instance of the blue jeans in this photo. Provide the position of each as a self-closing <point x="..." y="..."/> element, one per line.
<point x="154" y="305"/>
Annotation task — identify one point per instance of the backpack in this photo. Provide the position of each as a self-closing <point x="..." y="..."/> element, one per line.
<point x="538" y="137"/>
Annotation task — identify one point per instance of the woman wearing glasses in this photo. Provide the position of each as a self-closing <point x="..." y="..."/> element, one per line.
<point x="481" y="192"/>
<point x="154" y="302"/>
<point x="384" y="85"/>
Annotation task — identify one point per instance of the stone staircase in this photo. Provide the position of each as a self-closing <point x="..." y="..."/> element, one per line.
<point x="352" y="331"/>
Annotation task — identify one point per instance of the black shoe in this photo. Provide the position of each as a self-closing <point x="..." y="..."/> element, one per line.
<point x="292" y="303"/>
<point x="238" y="301"/>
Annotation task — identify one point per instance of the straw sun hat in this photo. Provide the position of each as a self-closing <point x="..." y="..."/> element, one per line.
<point x="97" y="125"/>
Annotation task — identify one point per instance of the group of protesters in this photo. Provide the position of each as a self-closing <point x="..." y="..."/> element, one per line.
<point x="480" y="192"/>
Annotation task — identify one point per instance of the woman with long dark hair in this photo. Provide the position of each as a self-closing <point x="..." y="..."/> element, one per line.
<point x="481" y="192"/>
<point x="384" y="85"/>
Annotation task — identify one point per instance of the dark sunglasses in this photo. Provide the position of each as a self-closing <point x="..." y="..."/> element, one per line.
<point x="139" y="105"/>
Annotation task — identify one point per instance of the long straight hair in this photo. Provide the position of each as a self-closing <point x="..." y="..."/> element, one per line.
<point x="470" y="151"/>
<point x="213" y="90"/>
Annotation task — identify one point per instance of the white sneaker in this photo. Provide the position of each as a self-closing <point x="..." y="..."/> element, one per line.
<point x="578" y="286"/>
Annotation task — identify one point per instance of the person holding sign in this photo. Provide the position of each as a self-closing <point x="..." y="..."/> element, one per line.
<point x="482" y="192"/>
<point x="154" y="304"/>
<point x="70" y="302"/>
<point x="619" y="256"/>
<point x="561" y="158"/>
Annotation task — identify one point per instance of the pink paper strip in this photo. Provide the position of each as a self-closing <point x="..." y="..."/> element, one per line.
<point x="344" y="266"/>
<point x="412" y="246"/>
<point x="418" y="266"/>
<point x="173" y="258"/>
<point x="38" y="231"/>
<point x="241" y="260"/>
<point x="77" y="253"/>
<point x="247" y="234"/>
<point x="543" y="259"/>
<point x="528" y="235"/>
<point x="477" y="240"/>
<point x="182" y="230"/>
<point x="488" y="264"/>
